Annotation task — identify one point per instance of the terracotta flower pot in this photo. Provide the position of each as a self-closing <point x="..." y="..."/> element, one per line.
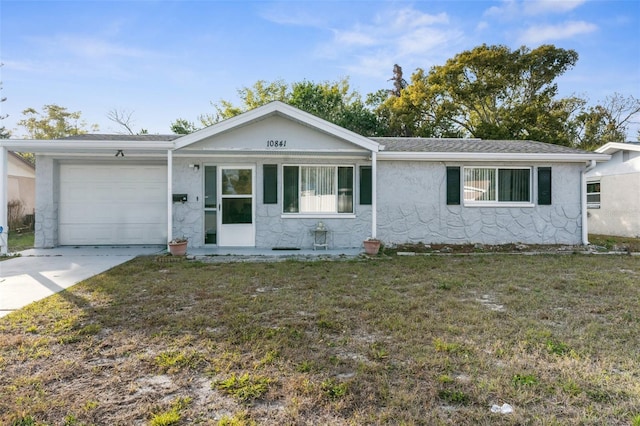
<point x="371" y="246"/>
<point x="178" y="249"/>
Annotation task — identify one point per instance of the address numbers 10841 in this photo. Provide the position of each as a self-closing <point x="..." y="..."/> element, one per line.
<point x="272" y="143"/>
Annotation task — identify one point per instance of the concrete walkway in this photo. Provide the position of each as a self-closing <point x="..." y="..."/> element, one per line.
<point x="39" y="273"/>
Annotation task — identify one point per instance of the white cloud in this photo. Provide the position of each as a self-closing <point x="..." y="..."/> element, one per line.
<point x="405" y="36"/>
<point x="482" y="25"/>
<point x="538" y="7"/>
<point x="354" y="38"/>
<point x="509" y="9"/>
<point x="513" y="9"/>
<point x="543" y="33"/>
<point x="407" y="18"/>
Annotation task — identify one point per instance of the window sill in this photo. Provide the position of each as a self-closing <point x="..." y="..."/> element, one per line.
<point x="499" y="205"/>
<point x="318" y="216"/>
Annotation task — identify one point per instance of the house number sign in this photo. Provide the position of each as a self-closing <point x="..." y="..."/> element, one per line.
<point x="274" y="143"/>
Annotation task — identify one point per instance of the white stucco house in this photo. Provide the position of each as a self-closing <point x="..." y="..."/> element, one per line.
<point x="613" y="191"/>
<point x="268" y="177"/>
<point x="21" y="182"/>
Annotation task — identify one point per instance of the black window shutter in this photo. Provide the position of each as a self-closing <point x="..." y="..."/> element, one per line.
<point x="365" y="185"/>
<point x="270" y="183"/>
<point x="290" y="189"/>
<point x="544" y="186"/>
<point x="453" y="185"/>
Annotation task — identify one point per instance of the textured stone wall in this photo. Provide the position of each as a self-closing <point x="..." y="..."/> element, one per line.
<point x="272" y="230"/>
<point x="188" y="217"/>
<point x="47" y="195"/>
<point x="412" y="208"/>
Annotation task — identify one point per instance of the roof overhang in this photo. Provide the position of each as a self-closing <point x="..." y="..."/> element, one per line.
<point x="491" y="157"/>
<point x="613" y="147"/>
<point x="279" y="109"/>
<point x="80" y="147"/>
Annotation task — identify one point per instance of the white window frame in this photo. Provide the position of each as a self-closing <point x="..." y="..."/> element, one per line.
<point x="594" y="205"/>
<point x="496" y="202"/>
<point x="321" y="215"/>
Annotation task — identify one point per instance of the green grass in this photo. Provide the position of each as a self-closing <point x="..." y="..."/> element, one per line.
<point x="366" y="341"/>
<point x="19" y="242"/>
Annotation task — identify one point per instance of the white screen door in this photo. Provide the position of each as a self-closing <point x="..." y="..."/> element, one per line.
<point x="236" y="206"/>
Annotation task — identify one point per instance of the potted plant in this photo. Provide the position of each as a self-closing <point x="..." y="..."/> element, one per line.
<point x="371" y="246"/>
<point x="178" y="246"/>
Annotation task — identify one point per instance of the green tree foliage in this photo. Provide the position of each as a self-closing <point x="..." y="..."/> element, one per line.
<point x="488" y="92"/>
<point x="53" y="123"/>
<point x="4" y="133"/>
<point x="332" y="101"/>
<point x="183" y="127"/>
<point x="606" y="122"/>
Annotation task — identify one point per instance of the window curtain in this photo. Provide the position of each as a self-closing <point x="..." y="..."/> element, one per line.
<point x="513" y="185"/>
<point x="317" y="186"/>
<point x="479" y="184"/>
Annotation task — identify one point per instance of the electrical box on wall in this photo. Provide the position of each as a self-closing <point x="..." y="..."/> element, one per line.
<point x="179" y="198"/>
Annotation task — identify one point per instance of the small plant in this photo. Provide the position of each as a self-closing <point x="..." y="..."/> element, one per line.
<point x="557" y="348"/>
<point x="524" y="380"/>
<point x="171" y="416"/>
<point x="570" y="387"/>
<point x="172" y="362"/>
<point x="334" y="390"/>
<point x="445" y="378"/>
<point x="636" y="420"/>
<point x="239" y="419"/>
<point x="179" y="240"/>
<point x="24" y="421"/>
<point x="454" y="396"/>
<point x="378" y="352"/>
<point x="244" y="388"/>
<point x="166" y="418"/>
<point x="304" y="367"/>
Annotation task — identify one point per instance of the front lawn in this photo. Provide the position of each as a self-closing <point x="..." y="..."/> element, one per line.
<point x="388" y="340"/>
<point x="22" y="241"/>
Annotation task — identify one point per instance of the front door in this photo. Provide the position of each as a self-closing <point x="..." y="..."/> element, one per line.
<point x="236" y="206"/>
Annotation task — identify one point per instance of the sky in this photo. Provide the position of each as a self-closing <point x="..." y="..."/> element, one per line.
<point x="162" y="60"/>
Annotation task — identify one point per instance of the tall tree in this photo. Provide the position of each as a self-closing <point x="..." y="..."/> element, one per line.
<point x="399" y="82"/>
<point x="4" y="133"/>
<point x="606" y="122"/>
<point x="332" y="101"/>
<point x="124" y="119"/>
<point x="488" y="92"/>
<point x="53" y="123"/>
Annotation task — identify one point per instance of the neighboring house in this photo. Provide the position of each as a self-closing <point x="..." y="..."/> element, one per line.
<point x="21" y="182"/>
<point x="268" y="177"/>
<point x="613" y="191"/>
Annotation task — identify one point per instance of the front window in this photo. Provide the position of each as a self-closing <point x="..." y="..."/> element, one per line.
<point x="497" y="185"/>
<point x="593" y="195"/>
<point x="318" y="189"/>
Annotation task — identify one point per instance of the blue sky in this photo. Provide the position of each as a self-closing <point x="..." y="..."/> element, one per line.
<point x="164" y="60"/>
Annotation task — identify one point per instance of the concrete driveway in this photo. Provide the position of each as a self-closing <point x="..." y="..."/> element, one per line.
<point x="39" y="273"/>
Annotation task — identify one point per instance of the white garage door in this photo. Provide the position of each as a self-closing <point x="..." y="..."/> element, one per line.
<point x="112" y="204"/>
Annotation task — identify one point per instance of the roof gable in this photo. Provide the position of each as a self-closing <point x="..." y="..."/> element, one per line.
<point x="613" y="147"/>
<point x="270" y="113"/>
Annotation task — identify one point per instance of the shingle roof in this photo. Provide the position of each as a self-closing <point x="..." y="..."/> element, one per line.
<point x="473" y="145"/>
<point x="105" y="137"/>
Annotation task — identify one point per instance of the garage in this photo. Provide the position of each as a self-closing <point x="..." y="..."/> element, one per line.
<point x="112" y="204"/>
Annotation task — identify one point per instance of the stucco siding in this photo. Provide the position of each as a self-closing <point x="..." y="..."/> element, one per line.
<point x="47" y="195"/>
<point x="412" y="208"/>
<point x="619" y="212"/>
<point x="272" y="229"/>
